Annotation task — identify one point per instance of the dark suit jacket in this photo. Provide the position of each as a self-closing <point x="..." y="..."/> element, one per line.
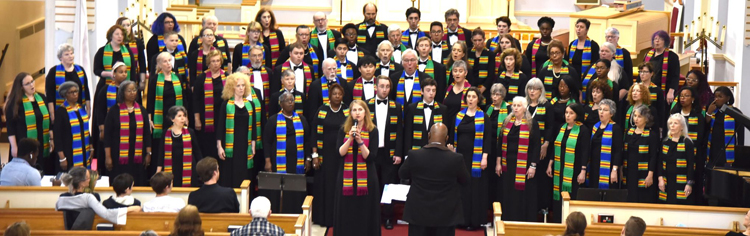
<point x="393" y="130"/>
<point x="315" y="96"/>
<point x="237" y="56"/>
<point x="396" y="77"/>
<point x="397" y="68"/>
<point x="319" y="48"/>
<point x="467" y="36"/>
<point x="274" y="82"/>
<point x="371" y="43"/>
<point x="411" y="141"/>
<point x="441" y="79"/>
<point x="284" y="56"/>
<point x="274" y="107"/>
<point x="437" y="175"/>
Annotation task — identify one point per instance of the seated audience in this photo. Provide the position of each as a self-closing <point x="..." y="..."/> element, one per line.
<point x="20" y="171"/>
<point x="149" y="233"/>
<point x="188" y="222"/>
<point x="212" y="198"/>
<point x="161" y="183"/>
<point x="18" y="229"/>
<point x="575" y="224"/>
<point x="123" y="186"/>
<point x="260" y="209"/>
<point x="75" y="202"/>
<point x="745" y="223"/>
<point x="635" y="226"/>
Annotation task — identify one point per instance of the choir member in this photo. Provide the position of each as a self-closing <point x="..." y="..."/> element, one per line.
<point x="481" y="61"/>
<point x="129" y="139"/>
<point x="409" y="82"/>
<point x="519" y="146"/>
<point x="470" y="141"/>
<point x="137" y="50"/>
<point x="435" y="69"/>
<point x="312" y="56"/>
<point x="66" y="71"/>
<point x="582" y="52"/>
<point x="104" y="98"/>
<point x="722" y="129"/>
<point x="166" y="89"/>
<point x="287" y="80"/>
<point x="273" y="38"/>
<point x="303" y="74"/>
<point x="496" y="113"/>
<point x="636" y="97"/>
<point x="697" y="80"/>
<point x="600" y="91"/>
<point x="541" y="112"/>
<point x="179" y="61"/>
<point x="355" y="52"/>
<point x="219" y="42"/>
<point x="164" y="23"/>
<point x="555" y="67"/>
<point x="260" y="116"/>
<point x="114" y="51"/>
<point x="676" y="172"/>
<point x="666" y="64"/>
<point x="410" y="36"/>
<point x="606" y="148"/>
<point x="259" y="74"/>
<point x="602" y="67"/>
<point x="567" y="168"/>
<point x="364" y="87"/>
<point x="616" y="73"/>
<point x="322" y="38"/>
<point x="506" y="41"/>
<point x="567" y="93"/>
<point x="511" y="76"/>
<point x="345" y="68"/>
<point x="370" y="32"/>
<point x="537" y="51"/>
<point x="623" y="59"/>
<point x="656" y="95"/>
<point x="454" y="96"/>
<point x="325" y="158"/>
<point x="641" y="155"/>
<point x="236" y="131"/>
<point x="419" y="116"/>
<point x="689" y="106"/>
<point x="440" y="49"/>
<point x="180" y="151"/>
<point x="206" y="101"/>
<point x="387" y="114"/>
<point x="387" y="64"/>
<point x="612" y="71"/>
<point x="198" y="61"/>
<point x="503" y="27"/>
<point x="28" y="117"/>
<point x="320" y="89"/>
<point x="72" y="130"/>
<point x="244" y="56"/>
<point x="453" y="31"/>
<point x="458" y="52"/>
<point x="357" y="206"/>
<point x="394" y="37"/>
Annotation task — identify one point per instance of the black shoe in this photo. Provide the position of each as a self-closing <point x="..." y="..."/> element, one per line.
<point x="470" y="228"/>
<point x="388" y="224"/>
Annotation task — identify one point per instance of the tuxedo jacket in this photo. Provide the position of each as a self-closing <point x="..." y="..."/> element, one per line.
<point x="307" y="59"/>
<point x="396" y="68"/>
<point x="415" y="131"/>
<point x="441" y="79"/>
<point x="396" y="78"/>
<point x="319" y="48"/>
<point x="275" y="83"/>
<point x="371" y="43"/>
<point x="393" y="130"/>
<point x="315" y="95"/>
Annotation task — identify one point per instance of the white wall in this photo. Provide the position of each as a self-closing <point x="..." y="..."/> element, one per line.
<point x="23" y="55"/>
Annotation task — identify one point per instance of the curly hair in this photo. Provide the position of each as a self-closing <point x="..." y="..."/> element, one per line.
<point x="157" y="28"/>
<point x="515" y="54"/>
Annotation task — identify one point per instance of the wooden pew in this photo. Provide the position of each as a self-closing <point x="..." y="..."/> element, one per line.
<point x="108" y="233"/>
<point x="46" y="197"/>
<point x="49" y="219"/>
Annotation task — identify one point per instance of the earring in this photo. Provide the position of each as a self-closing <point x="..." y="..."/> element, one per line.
<point x="31" y="156"/>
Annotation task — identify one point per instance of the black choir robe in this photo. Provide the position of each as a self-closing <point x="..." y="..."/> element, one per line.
<point x="669" y="155"/>
<point x="594" y="160"/>
<point x="649" y="157"/>
<point x="194" y="45"/>
<point x="440" y="77"/>
<point x="371" y="42"/>
<point x="64" y="137"/>
<point x="98" y="116"/>
<point x="269" y="148"/>
<point x="274" y="107"/>
<point x="198" y="105"/>
<point x="234" y="170"/>
<point x="547" y="130"/>
<point x="482" y="72"/>
<point x="284" y="56"/>
<point x="141" y="58"/>
<point x="169" y="97"/>
<point x="576" y="60"/>
<point x="192" y="64"/>
<point x="237" y="57"/>
<point x="152" y="48"/>
<point x="520" y="205"/>
<point x="315" y="95"/>
<point x="328" y="49"/>
<point x="550" y="79"/>
<point x="397" y="68"/>
<point x="112" y="140"/>
<point x="581" y="150"/>
<point x="51" y="88"/>
<point x="177" y="157"/>
<point x="116" y="56"/>
<point x="267" y="44"/>
<point x="541" y="55"/>
<point x="474" y="195"/>
<point x="325" y="177"/>
<point x="412" y="141"/>
<point x="673" y="71"/>
<point x="393" y="140"/>
<point x="17" y="126"/>
<point x="519" y="84"/>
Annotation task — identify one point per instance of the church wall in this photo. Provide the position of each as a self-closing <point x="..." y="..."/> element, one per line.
<point x="25" y="54"/>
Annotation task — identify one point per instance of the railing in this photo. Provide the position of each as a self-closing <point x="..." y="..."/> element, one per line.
<point x="5" y="51"/>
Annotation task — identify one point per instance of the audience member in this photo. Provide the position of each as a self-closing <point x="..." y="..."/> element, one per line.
<point x="123" y="186"/>
<point x="212" y="198"/>
<point x="635" y="226"/>
<point x="20" y="171"/>
<point x="575" y="224"/>
<point x="745" y="222"/>
<point x="149" y="233"/>
<point x="75" y="202"/>
<point x="161" y="183"/>
<point x="187" y="223"/>
<point x="18" y="229"/>
<point x="260" y="209"/>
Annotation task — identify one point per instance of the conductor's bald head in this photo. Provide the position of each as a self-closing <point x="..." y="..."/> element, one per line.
<point x="438" y="133"/>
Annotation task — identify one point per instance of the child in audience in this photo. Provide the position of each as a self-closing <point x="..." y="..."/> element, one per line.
<point x="123" y="186"/>
<point x="161" y="183"/>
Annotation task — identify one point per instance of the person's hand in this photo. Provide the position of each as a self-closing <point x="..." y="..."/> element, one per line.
<point x="142" y="85"/>
<point x="530" y="173"/>
<point x="582" y="177"/>
<point x="316" y="163"/>
<point x="222" y="154"/>
<point x="711" y="108"/>
<point x="151" y="123"/>
<point x="354" y="132"/>
<point x="101" y="134"/>
<point x="549" y="171"/>
<point x="450" y="146"/>
<point x="268" y="166"/>
<point x="14" y="151"/>
<point x="396" y="160"/>
<point x="108" y="163"/>
<point x="307" y="166"/>
<point x="147" y="161"/>
<point x="134" y="209"/>
<point x="670" y="96"/>
<point x="613" y="176"/>
<point x="649" y="179"/>
<point x="198" y="125"/>
<point x="688" y="190"/>
<point x="662" y="186"/>
<point x="483" y="163"/>
<point x="51" y="145"/>
<point x="498" y="169"/>
<point x="543" y="153"/>
<point x="64" y="164"/>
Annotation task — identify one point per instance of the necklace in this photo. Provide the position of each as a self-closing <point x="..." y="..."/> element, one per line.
<point x="335" y="111"/>
<point x="287" y="116"/>
<point x="556" y="74"/>
<point x="683" y="113"/>
<point x="175" y="134"/>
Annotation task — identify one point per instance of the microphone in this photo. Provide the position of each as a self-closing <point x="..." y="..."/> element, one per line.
<point x="355" y="123"/>
<point x="354" y="134"/>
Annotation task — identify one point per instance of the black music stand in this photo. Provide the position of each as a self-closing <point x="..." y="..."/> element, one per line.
<point x="274" y="185"/>
<point x="603" y="195"/>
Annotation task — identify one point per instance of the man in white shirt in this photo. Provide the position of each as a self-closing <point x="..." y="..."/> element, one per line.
<point x="355" y="51"/>
<point x="420" y="116"/>
<point x="256" y="73"/>
<point x="413" y="16"/>
<point x="454" y="32"/>
<point x="387" y="66"/>
<point x="161" y="183"/>
<point x="321" y="37"/>
<point x="344" y="67"/>
<point x="440" y="47"/>
<point x="408" y="84"/>
<point x="302" y="71"/>
<point x="363" y="88"/>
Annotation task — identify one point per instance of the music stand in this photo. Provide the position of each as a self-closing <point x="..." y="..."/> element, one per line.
<point x="280" y="182"/>
<point x="603" y="195"/>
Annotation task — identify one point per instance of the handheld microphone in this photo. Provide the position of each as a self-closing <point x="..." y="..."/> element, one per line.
<point x="355" y="123"/>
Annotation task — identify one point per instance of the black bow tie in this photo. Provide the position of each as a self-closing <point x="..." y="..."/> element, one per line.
<point x="258" y="69"/>
<point x="413" y="32"/>
<point x="436" y="45"/>
<point x="452" y="34"/>
<point x="397" y="48"/>
<point x="387" y="67"/>
<point x="432" y="107"/>
<point x="369" y="82"/>
<point x="370" y="26"/>
<point x="322" y="33"/>
<point x="300" y="67"/>
<point x="353" y="49"/>
<point x="409" y="77"/>
<point x="422" y="62"/>
<point x="382" y="101"/>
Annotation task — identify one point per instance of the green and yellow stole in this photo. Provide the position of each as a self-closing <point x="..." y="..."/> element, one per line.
<point x="230" y="127"/>
<point x="419" y="120"/>
<point x="570" y="156"/>
<point x="502" y="113"/>
<point x="315" y="41"/>
<point x="107" y="58"/>
<point x="681" y="166"/>
<point x="159" y="108"/>
<point x="31" y="125"/>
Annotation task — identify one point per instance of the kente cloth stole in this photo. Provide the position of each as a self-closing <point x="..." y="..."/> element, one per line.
<point x="605" y="158"/>
<point x="159" y="108"/>
<point x="358" y="91"/>
<point x="416" y="90"/>
<point x="549" y="80"/>
<point x="483" y="60"/>
<point x="361" y="168"/>
<point x="523" y="151"/>
<point x="729" y="126"/>
<point x="230" y="127"/>
<point x="125" y="134"/>
<point x="281" y="133"/>
<point x="199" y="62"/>
<point x="419" y="121"/>
<point x="363" y="34"/>
<point x="80" y="133"/>
<point x="246" y="55"/>
<point x="534" y="50"/>
<point x="60" y="78"/>
<point x="315" y="41"/>
<point x="619" y="58"/>
<point x="349" y="72"/>
<point x="208" y="98"/>
<point x="187" y="156"/>
<point x="107" y="58"/>
<point x="502" y="113"/>
<point x="680" y="168"/>
<point x="273" y="41"/>
<point x="569" y="155"/>
<point x="664" y="66"/>
<point x="476" y="170"/>
<point x="514" y="78"/>
<point x="586" y="56"/>
<point x="179" y="55"/>
<point x="30" y="118"/>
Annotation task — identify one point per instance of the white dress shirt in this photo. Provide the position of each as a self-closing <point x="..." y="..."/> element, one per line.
<point x="299" y="75"/>
<point x="368" y="91"/>
<point x="453" y="38"/>
<point x="343" y="71"/>
<point x="422" y="66"/>
<point x="353" y="56"/>
<point x="385" y="69"/>
<point x="323" y="40"/>
<point x="427" y="115"/>
<point x="397" y="54"/>
<point x="258" y="83"/>
<point x="381" y="117"/>
<point x="413" y="38"/>
<point x="370" y="30"/>
<point x="409" y="85"/>
<point x="437" y="52"/>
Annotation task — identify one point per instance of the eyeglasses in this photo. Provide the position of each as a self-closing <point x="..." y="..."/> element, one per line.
<point x="644" y="72"/>
<point x="319" y="20"/>
<point x="436" y="32"/>
<point x="555" y="53"/>
<point x="254" y="32"/>
<point x="29" y="83"/>
<point x="73" y="92"/>
<point x="208" y="35"/>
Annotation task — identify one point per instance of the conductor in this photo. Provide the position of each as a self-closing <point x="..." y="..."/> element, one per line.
<point x="433" y="205"/>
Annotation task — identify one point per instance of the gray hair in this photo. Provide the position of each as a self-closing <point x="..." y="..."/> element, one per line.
<point x="613" y="30"/>
<point x="615" y="69"/>
<point x="209" y="17"/>
<point x="645" y="111"/>
<point x="287" y="72"/>
<point x="536" y="83"/>
<point x="681" y="120"/>
<point x="172" y="112"/>
<point x="384" y="43"/>
<point x="393" y="27"/>
<point x="65" y="87"/>
<point x="284" y="96"/>
<point x="258" y="47"/>
<point x="74" y="178"/>
<point x="243" y="69"/>
<point x="412" y="51"/>
<point x="460" y="63"/>
<point x="611" y="104"/>
<point x="523" y="102"/>
<point x="498" y="88"/>
<point x="121" y="90"/>
<point x="260" y="207"/>
<point x="610" y="46"/>
<point x="149" y="233"/>
<point x="65" y="47"/>
<point x="330" y="61"/>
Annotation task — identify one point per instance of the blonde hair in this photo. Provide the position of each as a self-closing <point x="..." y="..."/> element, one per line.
<point x="680" y="119"/>
<point x="160" y="58"/>
<point x="350" y="121"/>
<point x="253" y="25"/>
<point x="231" y="82"/>
<point x="214" y="53"/>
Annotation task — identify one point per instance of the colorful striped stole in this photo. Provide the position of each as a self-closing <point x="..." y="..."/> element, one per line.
<point x="107" y="58"/>
<point x="588" y="78"/>
<point x="159" y="108"/>
<point x="60" y="78"/>
<point x="125" y="134"/>
<point x="419" y="121"/>
<point x="586" y="56"/>
<point x="502" y="113"/>
<point x="619" y="58"/>
<point x="315" y="41"/>
<point x="315" y="62"/>
<point x="257" y="115"/>
<point x="534" y="50"/>
<point x="199" y="63"/>
<point x="219" y="43"/>
<point x="281" y="144"/>
<point x="570" y="156"/>
<point x="273" y="41"/>
<point x="30" y="118"/>
<point x="80" y="133"/>
<point x="406" y="39"/>
<point x="483" y="60"/>
<point x="654" y="96"/>
<point x="642" y="149"/>
<point x="459" y="33"/>
<point x="416" y="90"/>
<point x="111" y="94"/>
<point x="494" y="43"/>
<point x="523" y="151"/>
<point x="322" y="114"/>
<point x="208" y="98"/>
<point x="627" y="117"/>
<point x="729" y="126"/>
<point x="349" y="76"/>
<point x="361" y="168"/>
<point x="358" y="91"/>
<point x="542" y="111"/>
<point x="513" y="82"/>
<point x="429" y="68"/>
<point x="246" y="55"/>
<point x="266" y="86"/>
<point x="549" y="80"/>
<point x="133" y="45"/>
<point x="179" y="55"/>
<point x="363" y="34"/>
<point x="605" y="157"/>
<point x="306" y="71"/>
<point x="476" y="157"/>
<point x="230" y="127"/>
<point x="664" y="66"/>
<point x="679" y="167"/>
<point x="187" y="156"/>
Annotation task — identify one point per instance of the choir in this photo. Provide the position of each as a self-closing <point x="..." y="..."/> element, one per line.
<point x="371" y="91"/>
